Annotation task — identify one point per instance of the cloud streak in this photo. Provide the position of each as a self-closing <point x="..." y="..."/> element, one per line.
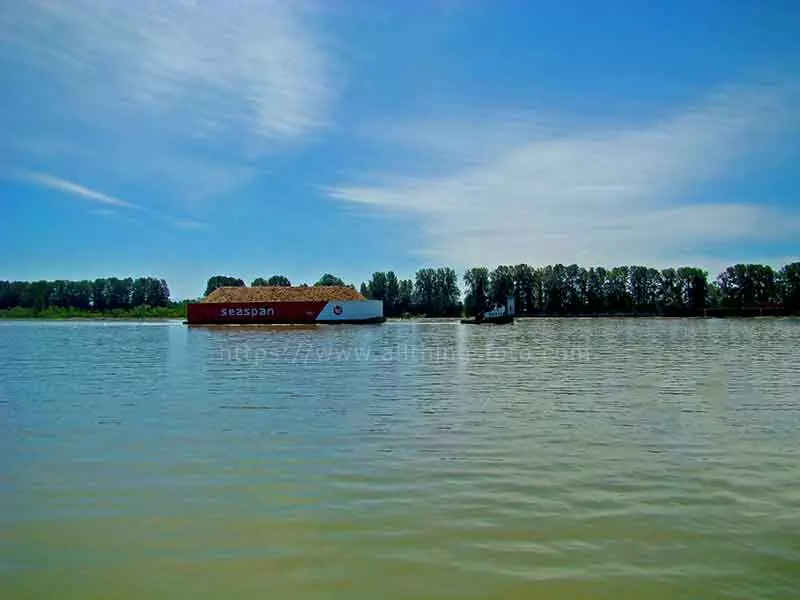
<point x="608" y="195"/>
<point x="63" y="185"/>
<point x="76" y="189"/>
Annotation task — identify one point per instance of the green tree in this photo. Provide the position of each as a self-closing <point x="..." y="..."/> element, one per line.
<point x="644" y="288"/>
<point x="553" y="283"/>
<point x="99" y="294"/>
<point x="275" y="280"/>
<point x="139" y="291"/>
<point x="523" y="288"/>
<point x="157" y="292"/>
<point x="218" y="281"/>
<point x="670" y="294"/>
<point x="424" y="291"/>
<point x="118" y="292"/>
<point x="58" y="294"/>
<point x="328" y="279"/>
<point x="279" y="280"/>
<point x="436" y="292"/>
<point x="476" y="280"/>
<point x="789" y="286"/>
<point x="653" y="286"/>
<point x="36" y="295"/>
<point x="538" y="288"/>
<point x="392" y="300"/>
<point x="501" y="284"/>
<point x="618" y="297"/>
<point x="149" y="291"/>
<point x="405" y="296"/>
<point x="714" y="298"/>
<point x="10" y="294"/>
<point x="79" y="294"/>
<point x="575" y="289"/>
<point x="747" y="285"/>
<point x="447" y="293"/>
<point x="596" y="290"/>
<point x="377" y="286"/>
<point x="736" y="286"/>
<point x="694" y="283"/>
<point x="765" y="284"/>
<point x="583" y="289"/>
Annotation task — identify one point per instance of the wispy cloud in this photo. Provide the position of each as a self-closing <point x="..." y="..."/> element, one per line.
<point x="76" y="189"/>
<point x="81" y="191"/>
<point x="608" y="195"/>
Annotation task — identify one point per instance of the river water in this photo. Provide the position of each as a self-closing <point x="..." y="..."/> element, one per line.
<point x="554" y="458"/>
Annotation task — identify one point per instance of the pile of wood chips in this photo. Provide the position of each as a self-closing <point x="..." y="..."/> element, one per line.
<point x="321" y="293"/>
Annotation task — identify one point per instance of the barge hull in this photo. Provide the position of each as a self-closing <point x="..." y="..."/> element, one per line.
<point x="267" y="313"/>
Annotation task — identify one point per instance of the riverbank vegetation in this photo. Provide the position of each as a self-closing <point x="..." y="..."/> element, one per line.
<point x="433" y="293"/>
<point x="112" y="297"/>
<point x="175" y="310"/>
<point x="555" y="290"/>
<point x="741" y="289"/>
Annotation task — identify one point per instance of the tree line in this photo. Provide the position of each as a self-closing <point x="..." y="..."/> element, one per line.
<point x="102" y="294"/>
<point x="433" y="292"/>
<point x="559" y="289"/>
<point x="555" y="289"/>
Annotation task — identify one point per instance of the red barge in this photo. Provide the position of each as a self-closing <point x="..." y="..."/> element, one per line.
<point x="271" y="305"/>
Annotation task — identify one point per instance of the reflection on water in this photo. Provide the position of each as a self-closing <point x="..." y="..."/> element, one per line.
<point x="616" y="458"/>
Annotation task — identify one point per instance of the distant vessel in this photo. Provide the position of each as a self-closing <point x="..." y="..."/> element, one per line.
<point x="499" y="315"/>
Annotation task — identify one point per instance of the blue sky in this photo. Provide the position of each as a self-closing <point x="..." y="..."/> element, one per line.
<point x="186" y="139"/>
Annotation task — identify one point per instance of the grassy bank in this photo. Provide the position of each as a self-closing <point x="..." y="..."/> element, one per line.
<point x="174" y="311"/>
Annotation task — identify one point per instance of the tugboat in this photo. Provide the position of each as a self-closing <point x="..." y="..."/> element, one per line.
<point x="499" y="315"/>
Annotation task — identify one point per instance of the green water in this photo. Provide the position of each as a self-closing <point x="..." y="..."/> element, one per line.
<point x="572" y="458"/>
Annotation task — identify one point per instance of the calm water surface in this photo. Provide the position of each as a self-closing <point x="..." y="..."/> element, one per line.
<point x="549" y="459"/>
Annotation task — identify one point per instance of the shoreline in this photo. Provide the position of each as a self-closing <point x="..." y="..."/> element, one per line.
<point x="158" y="315"/>
<point x="716" y="313"/>
<point x="93" y="318"/>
